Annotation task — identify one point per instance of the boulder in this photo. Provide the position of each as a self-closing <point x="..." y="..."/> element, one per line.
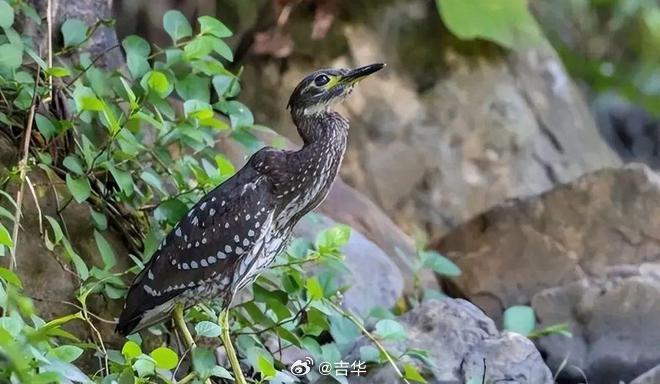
<point x="578" y="230"/>
<point x="615" y="322"/>
<point x="462" y="342"/>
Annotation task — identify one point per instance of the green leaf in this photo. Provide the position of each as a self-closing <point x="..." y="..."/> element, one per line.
<point x="505" y="22"/>
<point x="66" y="353"/>
<point x="45" y="126"/>
<point x="519" y="319"/>
<point x="266" y="367"/>
<point x="411" y="373"/>
<point x="197" y="109"/>
<point x="58" y="72"/>
<point x="57" y="230"/>
<point x="439" y="264"/>
<point x="107" y="254"/>
<point x="100" y="220"/>
<point x="227" y="86"/>
<point x="5" y="237"/>
<point x="176" y="25"/>
<point x="193" y="87"/>
<point x="78" y="262"/>
<point x="333" y="238"/>
<point x="6" y="14"/>
<point x="9" y="276"/>
<point x="165" y="358"/>
<point x="219" y="371"/>
<point x="171" y="210"/>
<point x="123" y="179"/>
<point x="11" y="56"/>
<point x="137" y="50"/>
<point x="390" y="329"/>
<point x="79" y="188"/>
<point x="314" y="289"/>
<point x="144" y="366"/>
<point x="207" y="329"/>
<point x="86" y="99"/>
<point x="369" y="354"/>
<point x="203" y="361"/>
<point x="239" y="114"/>
<point x="74" y="32"/>
<point x="157" y="82"/>
<point x="222" y="49"/>
<point x="212" y="26"/>
<point x="199" y="47"/>
<point x="131" y="350"/>
<point x="73" y="164"/>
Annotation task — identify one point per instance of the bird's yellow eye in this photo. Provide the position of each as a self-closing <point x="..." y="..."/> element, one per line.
<point x="321" y="80"/>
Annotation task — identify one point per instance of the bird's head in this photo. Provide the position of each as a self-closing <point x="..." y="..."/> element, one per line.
<point x="326" y="87"/>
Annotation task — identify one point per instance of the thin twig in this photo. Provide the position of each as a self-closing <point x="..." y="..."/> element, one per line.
<point x="22" y="165"/>
<point x="36" y="202"/>
<point x="49" y="20"/>
<point x="87" y="68"/>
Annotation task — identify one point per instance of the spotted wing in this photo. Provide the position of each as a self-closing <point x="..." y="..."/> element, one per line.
<point x="222" y="231"/>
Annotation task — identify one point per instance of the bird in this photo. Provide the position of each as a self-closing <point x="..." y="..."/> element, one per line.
<point x="235" y="231"/>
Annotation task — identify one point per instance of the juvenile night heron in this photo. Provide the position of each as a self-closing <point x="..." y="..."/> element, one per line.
<point x="235" y="231"/>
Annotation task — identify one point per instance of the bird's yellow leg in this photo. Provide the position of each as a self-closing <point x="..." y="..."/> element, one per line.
<point x="229" y="347"/>
<point x="180" y="323"/>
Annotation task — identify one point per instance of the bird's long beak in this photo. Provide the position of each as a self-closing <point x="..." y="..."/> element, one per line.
<point x="357" y="74"/>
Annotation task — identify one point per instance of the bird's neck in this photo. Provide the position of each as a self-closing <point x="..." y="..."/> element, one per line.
<point x="324" y="126"/>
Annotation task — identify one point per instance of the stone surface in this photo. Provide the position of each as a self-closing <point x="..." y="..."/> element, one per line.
<point x="577" y="230"/>
<point x="650" y="377"/>
<point x="380" y="286"/>
<point x="449" y="129"/>
<point x="459" y="337"/>
<point x="615" y="322"/>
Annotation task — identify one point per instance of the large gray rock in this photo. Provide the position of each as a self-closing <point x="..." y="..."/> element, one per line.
<point x="460" y="338"/>
<point x="615" y="322"/>
<point x="581" y="229"/>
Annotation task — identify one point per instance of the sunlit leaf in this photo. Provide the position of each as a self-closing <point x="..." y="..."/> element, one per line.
<point x="411" y="373"/>
<point x="157" y="82"/>
<point x="5" y="237"/>
<point x="10" y="276"/>
<point x="165" y="358"/>
<point x="131" y="350"/>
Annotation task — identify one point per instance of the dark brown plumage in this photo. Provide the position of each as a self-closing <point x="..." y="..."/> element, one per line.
<point x="234" y="232"/>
